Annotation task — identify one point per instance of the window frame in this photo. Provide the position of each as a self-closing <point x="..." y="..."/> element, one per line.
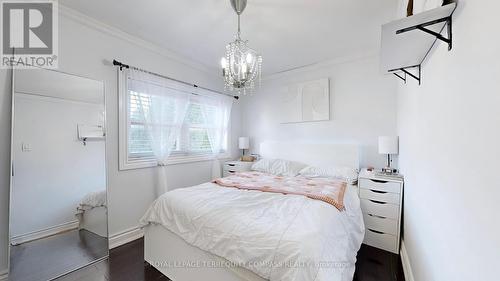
<point x="177" y="157"/>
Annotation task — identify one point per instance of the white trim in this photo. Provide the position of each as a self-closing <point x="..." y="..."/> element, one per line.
<point x="320" y="65"/>
<point x="23" y="238"/>
<point x="117" y="33"/>
<point x="406" y="263"/>
<point x="4" y="275"/>
<point x="95" y="24"/>
<point x="196" y="158"/>
<point x="123" y="162"/>
<point x="36" y="97"/>
<point x="125" y="237"/>
<point x="174" y="160"/>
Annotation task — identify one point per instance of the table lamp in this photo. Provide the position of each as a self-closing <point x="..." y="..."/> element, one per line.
<point x="388" y="145"/>
<point x="243" y="143"/>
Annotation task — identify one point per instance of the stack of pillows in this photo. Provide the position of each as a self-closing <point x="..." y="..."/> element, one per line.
<point x="280" y="167"/>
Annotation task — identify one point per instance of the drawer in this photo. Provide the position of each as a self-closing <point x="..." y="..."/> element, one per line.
<point x="382" y="196"/>
<point x="381" y="240"/>
<point x="229" y="167"/>
<point x="385" y="225"/>
<point x="238" y="166"/>
<point x="387" y="210"/>
<point x="228" y="173"/>
<point x="380" y="185"/>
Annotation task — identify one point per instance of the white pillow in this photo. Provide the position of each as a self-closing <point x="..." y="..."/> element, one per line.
<point x="263" y="165"/>
<point x="278" y="167"/>
<point x="347" y="174"/>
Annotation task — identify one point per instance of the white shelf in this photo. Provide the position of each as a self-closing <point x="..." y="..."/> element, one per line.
<point x="407" y="42"/>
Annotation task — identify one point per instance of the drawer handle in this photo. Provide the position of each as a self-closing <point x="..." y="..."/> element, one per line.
<point x="378" y="202"/>
<point x="380" y="217"/>
<point x="374" y="231"/>
<point x="378" y="191"/>
<point x="231" y="165"/>
<point x="379" y="181"/>
<point x="232" y="171"/>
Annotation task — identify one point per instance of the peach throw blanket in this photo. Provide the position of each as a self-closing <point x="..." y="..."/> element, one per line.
<point x="330" y="191"/>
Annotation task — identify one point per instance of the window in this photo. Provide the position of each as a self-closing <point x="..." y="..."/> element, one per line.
<point x="193" y="142"/>
<point x="139" y="142"/>
<point x="195" y="134"/>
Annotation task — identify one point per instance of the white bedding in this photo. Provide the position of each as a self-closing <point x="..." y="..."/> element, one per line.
<point x="92" y="200"/>
<point x="278" y="237"/>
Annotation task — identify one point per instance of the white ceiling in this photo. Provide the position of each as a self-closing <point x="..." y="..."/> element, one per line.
<point x="288" y="33"/>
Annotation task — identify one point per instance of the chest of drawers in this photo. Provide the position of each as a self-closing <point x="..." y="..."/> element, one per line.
<point x="231" y="167"/>
<point x="381" y="204"/>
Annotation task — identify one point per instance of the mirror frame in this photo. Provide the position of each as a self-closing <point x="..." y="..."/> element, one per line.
<point x="13" y="90"/>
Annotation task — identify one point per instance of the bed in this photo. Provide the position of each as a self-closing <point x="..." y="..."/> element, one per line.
<point x="92" y="213"/>
<point x="209" y="232"/>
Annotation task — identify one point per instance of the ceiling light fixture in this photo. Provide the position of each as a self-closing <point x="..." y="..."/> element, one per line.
<point x="241" y="66"/>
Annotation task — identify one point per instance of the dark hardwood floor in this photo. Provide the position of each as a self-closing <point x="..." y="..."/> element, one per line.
<point x="55" y="255"/>
<point x="378" y="265"/>
<point x="126" y="263"/>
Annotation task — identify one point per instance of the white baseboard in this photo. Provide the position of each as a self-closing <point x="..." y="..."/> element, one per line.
<point x="125" y="237"/>
<point x="23" y="238"/>
<point x="406" y="263"/>
<point x="4" y="275"/>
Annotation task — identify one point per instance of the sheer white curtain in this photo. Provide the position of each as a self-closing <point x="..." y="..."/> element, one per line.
<point x="163" y="106"/>
<point x="216" y="111"/>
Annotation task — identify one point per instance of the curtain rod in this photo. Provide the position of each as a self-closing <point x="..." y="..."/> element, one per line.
<point x="122" y="65"/>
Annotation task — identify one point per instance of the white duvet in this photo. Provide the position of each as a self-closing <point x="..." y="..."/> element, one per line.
<point x="92" y="200"/>
<point x="278" y="237"/>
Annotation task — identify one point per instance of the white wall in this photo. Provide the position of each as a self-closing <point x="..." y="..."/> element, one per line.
<point x="58" y="171"/>
<point x="450" y="136"/>
<point x="362" y="107"/>
<point x="83" y="50"/>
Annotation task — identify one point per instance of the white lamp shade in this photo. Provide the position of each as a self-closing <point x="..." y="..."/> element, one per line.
<point x="244" y="142"/>
<point x="388" y="145"/>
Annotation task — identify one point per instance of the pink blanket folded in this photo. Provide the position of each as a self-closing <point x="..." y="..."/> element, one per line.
<point x="330" y="191"/>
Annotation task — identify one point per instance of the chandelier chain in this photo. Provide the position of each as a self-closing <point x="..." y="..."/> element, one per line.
<point x="239" y="28"/>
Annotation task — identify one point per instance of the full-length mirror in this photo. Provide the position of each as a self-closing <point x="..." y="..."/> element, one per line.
<point x="58" y="206"/>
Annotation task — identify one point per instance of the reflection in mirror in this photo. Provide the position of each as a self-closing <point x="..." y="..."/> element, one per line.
<point x="58" y="209"/>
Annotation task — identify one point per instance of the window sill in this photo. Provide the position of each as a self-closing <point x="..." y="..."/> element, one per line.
<point x="174" y="160"/>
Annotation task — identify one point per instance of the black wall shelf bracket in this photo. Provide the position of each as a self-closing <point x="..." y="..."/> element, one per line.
<point x="408" y="73"/>
<point x="401" y="77"/>
<point x="422" y="26"/>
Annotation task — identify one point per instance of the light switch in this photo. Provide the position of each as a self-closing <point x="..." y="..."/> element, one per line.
<point x="26" y="147"/>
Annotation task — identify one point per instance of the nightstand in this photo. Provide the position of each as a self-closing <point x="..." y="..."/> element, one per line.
<point x="231" y="167"/>
<point x="381" y="204"/>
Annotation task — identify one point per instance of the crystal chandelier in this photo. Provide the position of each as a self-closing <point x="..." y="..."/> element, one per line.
<point x="241" y="66"/>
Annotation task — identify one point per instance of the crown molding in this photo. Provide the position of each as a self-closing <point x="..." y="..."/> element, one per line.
<point x="120" y="34"/>
<point x="212" y="71"/>
<point x="322" y="64"/>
